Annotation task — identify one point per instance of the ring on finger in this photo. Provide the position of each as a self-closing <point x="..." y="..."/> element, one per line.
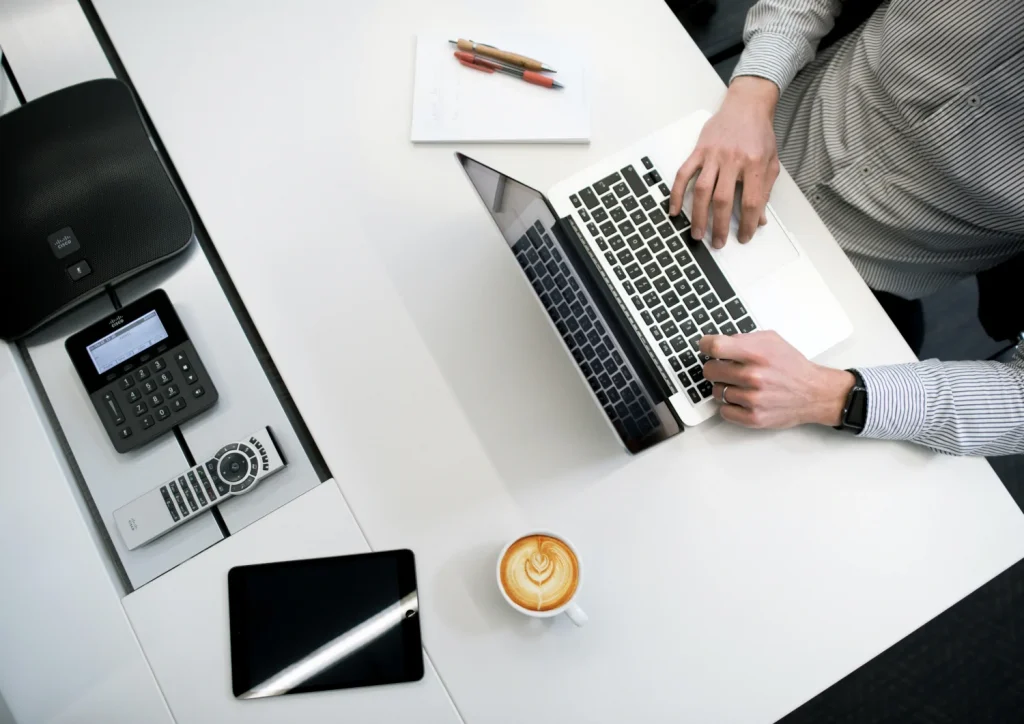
<point x="725" y="401"/>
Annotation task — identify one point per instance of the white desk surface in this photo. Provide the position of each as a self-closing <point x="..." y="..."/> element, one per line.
<point x="731" y="575"/>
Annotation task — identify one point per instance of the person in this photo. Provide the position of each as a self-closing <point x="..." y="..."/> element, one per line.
<point x="907" y="136"/>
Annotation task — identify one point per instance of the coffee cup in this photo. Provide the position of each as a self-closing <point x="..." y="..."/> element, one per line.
<point x="540" y="575"/>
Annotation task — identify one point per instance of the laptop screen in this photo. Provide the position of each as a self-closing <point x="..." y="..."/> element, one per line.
<point x="575" y="297"/>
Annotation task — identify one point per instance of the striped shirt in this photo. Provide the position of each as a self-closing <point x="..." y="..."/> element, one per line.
<point x="907" y="135"/>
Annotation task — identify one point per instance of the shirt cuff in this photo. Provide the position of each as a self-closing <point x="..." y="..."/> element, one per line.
<point x="772" y="56"/>
<point x="897" y="402"/>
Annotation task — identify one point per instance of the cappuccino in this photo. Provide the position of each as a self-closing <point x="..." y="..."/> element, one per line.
<point x="539" y="573"/>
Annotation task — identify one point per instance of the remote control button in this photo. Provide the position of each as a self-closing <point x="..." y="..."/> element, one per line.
<point x="124" y="433"/>
<point x="178" y="404"/>
<point x="158" y="365"/>
<point x="233" y="467"/>
<point x="141" y="374"/>
<point x="139" y="408"/>
<point x="133" y="396"/>
<point x="164" y="378"/>
<point x="191" y="377"/>
<point x="178" y="499"/>
<point x="194" y="482"/>
<point x="198" y="392"/>
<point x="206" y="483"/>
<point x="112" y="407"/>
<point x="148" y="422"/>
<point x="227" y="449"/>
<point x="162" y="414"/>
<point x="127" y="382"/>
<point x="186" y="367"/>
<point x="188" y="494"/>
<point x="171" y="391"/>
<point x="244" y="485"/>
<point x="249" y="452"/>
<point x="155" y="399"/>
<point x="149" y="387"/>
<point x="170" y="506"/>
<point x="181" y="358"/>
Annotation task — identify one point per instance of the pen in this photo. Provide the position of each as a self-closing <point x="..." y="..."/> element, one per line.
<point x="489" y="51"/>
<point x="490" y="66"/>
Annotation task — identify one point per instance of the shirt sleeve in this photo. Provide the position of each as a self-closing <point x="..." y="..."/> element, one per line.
<point x="781" y="37"/>
<point x="961" y="408"/>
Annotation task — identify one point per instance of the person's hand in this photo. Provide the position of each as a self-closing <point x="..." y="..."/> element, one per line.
<point x="770" y="384"/>
<point x="737" y="145"/>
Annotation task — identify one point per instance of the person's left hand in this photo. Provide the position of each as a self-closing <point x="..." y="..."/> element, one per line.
<point x="769" y="384"/>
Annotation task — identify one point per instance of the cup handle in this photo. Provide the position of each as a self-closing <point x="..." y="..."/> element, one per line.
<point x="576" y="615"/>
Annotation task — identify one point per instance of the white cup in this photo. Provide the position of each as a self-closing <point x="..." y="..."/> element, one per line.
<point x="569" y="608"/>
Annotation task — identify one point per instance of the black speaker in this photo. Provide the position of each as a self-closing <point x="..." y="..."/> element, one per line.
<point x="84" y="202"/>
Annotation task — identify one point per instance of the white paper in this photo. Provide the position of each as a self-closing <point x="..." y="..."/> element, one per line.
<point x="454" y="103"/>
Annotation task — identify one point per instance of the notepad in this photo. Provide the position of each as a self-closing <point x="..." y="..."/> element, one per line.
<point x="454" y="103"/>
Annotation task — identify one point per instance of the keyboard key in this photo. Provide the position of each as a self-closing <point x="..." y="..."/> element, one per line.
<point x="694" y="395"/>
<point x="584" y="215"/>
<point x="728" y="328"/>
<point x="651" y="299"/>
<point x="701" y="286"/>
<point x="678" y="344"/>
<point x="689" y="328"/>
<point x="198" y="392"/>
<point x="610" y="366"/>
<point x="746" y="325"/>
<point x="646" y="162"/>
<point x="608" y="228"/>
<point x="664" y="258"/>
<point x="634" y="271"/>
<point x="666" y="230"/>
<point x="655" y="332"/>
<point x="163" y="413"/>
<point x="688" y="359"/>
<point x="656" y="245"/>
<point x="665" y="191"/>
<point x="600" y="188"/>
<point x="609" y="201"/>
<point x="600" y="215"/>
<point x="638" y="217"/>
<point x="647" y="231"/>
<point x="670" y="299"/>
<point x="718" y="281"/>
<point x="155" y="399"/>
<point x="696" y="373"/>
<point x="673" y="273"/>
<point x="576" y="201"/>
<point x="700" y="316"/>
<point x="619" y="273"/>
<point x="646" y="316"/>
<point x="158" y="365"/>
<point x="710" y="301"/>
<point x="691" y="302"/>
<point x="674" y="244"/>
<point x="679" y="313"/>
<point x="679" y="221"/>
<point x="657" y="217"/>
<point x="652" y="270"/>
<point x="139" y="408"/>
<point x="127" y="382"/>
<point x="620" y="189"/>
<point x="147" y="422"/>
<point x="601" y="243"/>
<point x="683" y="258"/>
<point x="674" y="361"/>
<point x="666" y="348"/>
<point x="635" y="242"/>
<point x="629" y="203"/>
<point x="736" y="309"/>
<point x="652" y="178"/>
<point x="592" y="228"/>
<point x="626" y="228"/>
<point x="628" y="286"/>
<point x="705" y="389"/>
<point x="719" y="315"/>
<point x="644" y="256"/>
<point x="709" y="328"/>
<point x="589" y="198"/>
<point x="660" y="314"/>
<point x="682" y="287"/>
<point x="633" y="179"/>
<point x="642" y="285"/>
<point x="695" y="343"/>
<point x="692" y="272"/>
<point x="648" y="202"/>
<point x="616" y="243"/>
<point x="669" y="328"/>
<point x="618" y="215"/>
<point x="134" y="396"/>
<point x="625" y="256"/>
<point x="662" y="285"/>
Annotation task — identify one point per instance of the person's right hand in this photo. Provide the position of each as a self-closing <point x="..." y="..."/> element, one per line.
<point x="737" y="145"/>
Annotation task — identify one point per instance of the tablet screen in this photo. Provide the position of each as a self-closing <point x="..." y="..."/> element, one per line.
<point x="324" y="623"/>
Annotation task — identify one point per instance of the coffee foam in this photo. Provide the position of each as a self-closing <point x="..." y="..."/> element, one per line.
<point x="539" y="573"/>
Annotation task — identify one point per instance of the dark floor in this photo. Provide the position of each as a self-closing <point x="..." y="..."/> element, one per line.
<point x="966" y="665"/>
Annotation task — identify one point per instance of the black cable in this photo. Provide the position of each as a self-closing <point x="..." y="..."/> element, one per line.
<point x="11" y="77"/>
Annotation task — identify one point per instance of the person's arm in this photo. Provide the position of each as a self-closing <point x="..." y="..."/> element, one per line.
<point x="960" y="408"/>
<point x="737" y="145"/>
<point x="781" y="36"/>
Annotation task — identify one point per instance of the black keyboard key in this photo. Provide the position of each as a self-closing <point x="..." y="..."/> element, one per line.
<point x="643" y="256"/>
<point x="696" y="373"/>
<point x="575" y="200"/>
<point x="618" y="215"/>
<point x="574" y="284"/>
<point x="689" y="328"/>
<point x="727" y="328"/>
<point x="709" y="328"/>
<point x="610" y="258"/>
<point x="647" y="231"/>
<point x="629" y="203"/>
<point x="651" y="299"/>
<point x="620" y="189"/>
<point x="609" y="201"/>
<point x="679" y="313"/>
<point x="695" y="343"/>
<point x="600" y="188"/>
<point x="655" y="332"/>
<point x="700" y="316"/>
<point x="611" y="179"/>
<point x="592" y="228"/>
<point x="628" y="286"/>
<point x="572" y="324"/>
<point x="666" y="230"/>
<point x="638" y="217"/>
<point x="576" y="309"/>
<point x="600" y="215"/>
<point x="669" y="328"/>
<point x="673" y="273"/>
<point x="652" y="270"/>
<point x="648" y="202"/>
<point x="633" y="179"/>
<point x="607" y="228"/>
<point x="635" y="242"/>
<point x="634" y="271"/>
<point x="584" y="215"/>
<point x="665" y="191"/>
<point x="660" y="314"/>
<point x="552" y="268"/>
<point x="683" y="258"/>
<point x="670" y="299"/>
<point x="692" y="272"/>
<point x="694" y="395"/>
<point x="656" y="245"/>
<point x="638" y="303"/>
<point x="679" y="221"/>
<point x="719" y="315"/>
<point x="646" y="316"/>
<point x="657" y="217"/>
<point x="626" y="228"/>
<point x="688" y="359"/>
<point x="587" y="325"/>
<point x="589" y="198"/>
<point x="652" y="178"/>
<point x="736" y="309"/>
<point x="666" y="349"/>
<point x="674" y="244"/>
<point x="616" y="243"/>
<point x="642" y="285"/>
<point x="678" y="344"/>
<point x="662" y="285"/>
<point x="691" y="302"/>
<point x="625" y="256"/>
<point x="621" y="275"/>
<point x="674" y="361"/>
<point x="710" y="301"/>
<point x="705" y="389"/>
<point x="701" y="286"/>
<point x="718" y="281"/>
<point x="646" y="162"/>
<point x="664" y="258"/>
<point x="746" y="325"/>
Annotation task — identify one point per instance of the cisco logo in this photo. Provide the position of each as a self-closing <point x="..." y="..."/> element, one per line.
<point x="116" y="321"/>
<point x="63" y="242"/>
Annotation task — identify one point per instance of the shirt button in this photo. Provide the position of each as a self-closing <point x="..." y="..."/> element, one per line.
<point x="816" y="198"/>
<point x="973" y="101"/>
<point x="866" y="170"/>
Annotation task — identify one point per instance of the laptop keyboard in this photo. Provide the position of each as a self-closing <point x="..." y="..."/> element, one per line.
<point x="671" y="280"/>
<point x="578" y="321"/>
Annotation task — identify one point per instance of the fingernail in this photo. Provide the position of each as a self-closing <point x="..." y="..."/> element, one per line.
<point x="718" y="243"/>
<point x="698" y="234"/>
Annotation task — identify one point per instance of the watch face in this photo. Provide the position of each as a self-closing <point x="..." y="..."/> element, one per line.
<point x="857" y="409"/>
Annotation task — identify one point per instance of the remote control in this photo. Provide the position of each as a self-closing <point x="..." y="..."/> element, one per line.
<point x="234" y="470"/>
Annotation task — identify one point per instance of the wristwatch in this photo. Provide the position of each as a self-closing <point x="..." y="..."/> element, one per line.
<point x="855" y="411"/>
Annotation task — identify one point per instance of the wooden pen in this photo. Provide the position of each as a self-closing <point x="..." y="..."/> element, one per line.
<point x="489" y="51"/>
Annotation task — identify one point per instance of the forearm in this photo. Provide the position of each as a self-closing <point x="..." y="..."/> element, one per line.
<point x="962" y="408"/>
<point x="781" y="37"/>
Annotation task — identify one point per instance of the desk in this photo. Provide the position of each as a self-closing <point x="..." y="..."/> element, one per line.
<point x="732" y="575"/>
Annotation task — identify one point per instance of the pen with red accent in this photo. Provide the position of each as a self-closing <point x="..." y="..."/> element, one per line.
<point x="490" y="66"/>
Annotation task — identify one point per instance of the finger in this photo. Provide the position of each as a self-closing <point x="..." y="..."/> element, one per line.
<point x="702" y="190"/>
<point x="738" y="347"/>
<point x="721" y="202"/>
<point x="763" y="220"/>
<point x="725" y="371"/>
<point x="736" y="414"/>
<point x="686" y="171"/>
<point x="773" y="175"/>
<point x="734" y="396"/>
<point x="751" y="208"/>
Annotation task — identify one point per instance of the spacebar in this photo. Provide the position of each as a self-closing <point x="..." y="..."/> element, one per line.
<point x="707" y="263"/>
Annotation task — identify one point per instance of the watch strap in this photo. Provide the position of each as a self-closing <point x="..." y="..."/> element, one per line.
<point x="854" y="414"/>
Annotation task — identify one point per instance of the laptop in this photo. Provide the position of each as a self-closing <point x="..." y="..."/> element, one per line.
<point x="630" y="292"/>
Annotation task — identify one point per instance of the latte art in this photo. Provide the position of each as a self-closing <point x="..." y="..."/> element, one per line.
<point x="539" y="572"/>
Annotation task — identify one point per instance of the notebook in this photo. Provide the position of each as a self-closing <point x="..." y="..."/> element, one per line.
<point x="455" y="103"/>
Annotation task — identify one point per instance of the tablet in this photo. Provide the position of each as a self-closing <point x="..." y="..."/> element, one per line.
<point x="324" y="623"/>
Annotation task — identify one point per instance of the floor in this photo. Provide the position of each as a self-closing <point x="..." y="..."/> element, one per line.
<point x="966" y="665"/>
